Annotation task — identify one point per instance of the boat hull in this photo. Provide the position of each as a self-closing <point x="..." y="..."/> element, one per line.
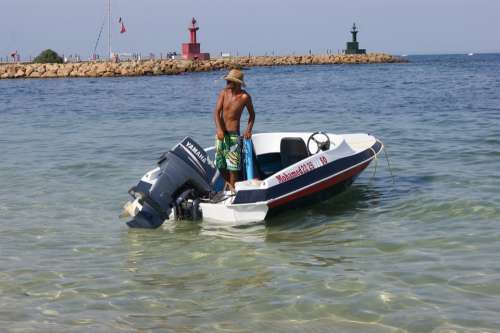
<point x="227" y="213"/>
<point x="315" y="179"/>
<point x="318" y="185"/>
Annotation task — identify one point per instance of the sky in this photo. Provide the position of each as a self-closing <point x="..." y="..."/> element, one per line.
<point x="252" y="26"/>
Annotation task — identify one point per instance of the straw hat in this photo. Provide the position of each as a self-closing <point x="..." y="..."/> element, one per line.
<point x="235" y="75"/>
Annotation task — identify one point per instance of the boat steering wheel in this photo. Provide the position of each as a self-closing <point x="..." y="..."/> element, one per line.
<point x="321" y="145"/>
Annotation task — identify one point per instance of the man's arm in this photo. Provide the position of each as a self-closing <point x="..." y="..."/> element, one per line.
<point x="251" y="118"/>
<point x="219" y="127"/>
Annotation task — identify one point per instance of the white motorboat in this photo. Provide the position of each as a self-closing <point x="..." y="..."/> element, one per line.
<point x="290" y="169"/>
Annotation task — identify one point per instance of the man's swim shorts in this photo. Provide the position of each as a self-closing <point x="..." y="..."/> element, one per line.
<point x="228" y="152"/>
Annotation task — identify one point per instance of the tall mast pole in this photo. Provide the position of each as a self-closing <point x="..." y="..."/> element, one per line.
<point x="109" y="28"/>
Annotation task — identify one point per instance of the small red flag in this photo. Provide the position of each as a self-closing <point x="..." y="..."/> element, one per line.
<point x="122" y="26"/>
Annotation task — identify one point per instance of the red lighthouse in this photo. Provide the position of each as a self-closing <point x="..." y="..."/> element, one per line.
<point x="191" y="50"/>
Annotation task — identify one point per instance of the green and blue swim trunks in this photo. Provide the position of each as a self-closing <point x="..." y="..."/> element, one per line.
<point x="228" y="152"/>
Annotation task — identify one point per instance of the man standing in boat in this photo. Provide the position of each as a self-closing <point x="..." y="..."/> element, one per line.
<point x="230" y="104"/>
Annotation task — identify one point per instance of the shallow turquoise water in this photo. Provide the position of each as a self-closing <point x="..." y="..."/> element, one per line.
<point x="420" y="255"/>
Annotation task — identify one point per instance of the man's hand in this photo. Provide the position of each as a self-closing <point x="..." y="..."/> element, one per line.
<point x="248" y="134"/>
<point x="220" y="134"/>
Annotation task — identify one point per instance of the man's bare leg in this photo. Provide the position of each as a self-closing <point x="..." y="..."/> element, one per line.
<point x="233" y="177"/>
<point x="225" y="175"/>
<point x="228" y="182"/>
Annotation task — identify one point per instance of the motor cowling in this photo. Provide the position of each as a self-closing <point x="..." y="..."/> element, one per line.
<point x="185" y="173"/>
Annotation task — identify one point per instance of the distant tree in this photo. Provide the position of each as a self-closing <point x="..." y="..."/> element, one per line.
<point x="48" y="57"/>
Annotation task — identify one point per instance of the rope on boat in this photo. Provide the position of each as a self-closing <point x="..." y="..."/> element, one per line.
<point x="376" y="163"/>
<point x="389" y="165"/>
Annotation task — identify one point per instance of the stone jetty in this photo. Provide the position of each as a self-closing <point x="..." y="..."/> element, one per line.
<point x="172" y="67"/>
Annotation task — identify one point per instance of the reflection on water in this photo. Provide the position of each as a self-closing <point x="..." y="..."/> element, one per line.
<point x="303" y="220"/>
<point x="357" y="197"/>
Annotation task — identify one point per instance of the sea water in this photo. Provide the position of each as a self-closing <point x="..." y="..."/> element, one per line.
<point x="418" y="251"/>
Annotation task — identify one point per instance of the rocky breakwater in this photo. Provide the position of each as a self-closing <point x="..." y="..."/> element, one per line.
<point x="171" y="67"/>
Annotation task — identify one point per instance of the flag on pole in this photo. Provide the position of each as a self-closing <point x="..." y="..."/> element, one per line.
<point x="122" y="26"/>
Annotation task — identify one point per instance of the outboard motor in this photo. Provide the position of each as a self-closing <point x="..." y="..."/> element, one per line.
<point x="184" y="174"/>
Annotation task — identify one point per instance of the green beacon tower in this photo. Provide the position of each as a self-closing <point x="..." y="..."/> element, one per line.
<point x="353" y="47"/>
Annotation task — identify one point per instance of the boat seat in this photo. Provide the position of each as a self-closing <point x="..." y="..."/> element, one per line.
<point x="267" y="164"/>
<point x="292" y="150"/>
